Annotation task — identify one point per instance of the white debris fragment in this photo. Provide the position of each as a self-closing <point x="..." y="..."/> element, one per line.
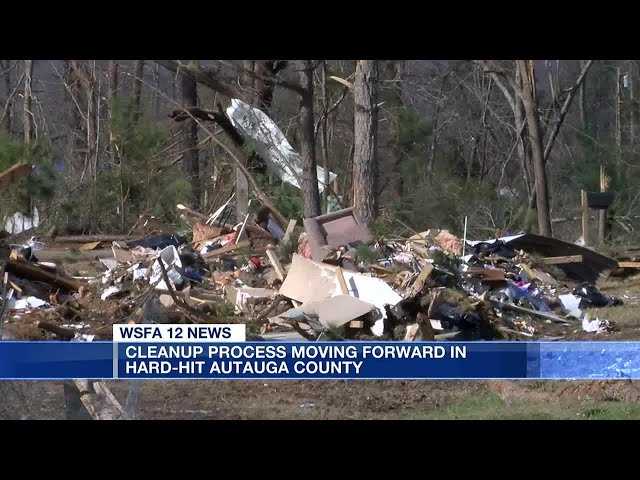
<point x="29" y="302"/>
<point x="595" y="326"/>
<point x="571" y="304"/>
<point x="110" y="292"/>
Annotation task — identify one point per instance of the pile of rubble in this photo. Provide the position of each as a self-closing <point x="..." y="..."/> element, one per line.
<point x="332" y="281"/>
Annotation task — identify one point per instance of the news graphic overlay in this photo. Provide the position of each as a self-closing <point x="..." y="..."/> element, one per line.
<point x="167" y="352"/>
<point x="221" y="352"/>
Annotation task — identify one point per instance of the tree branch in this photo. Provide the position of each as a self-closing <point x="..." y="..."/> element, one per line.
<point x="267" y="78"/>
<point x="565" y="109"/>
<point x="202" y="76"/>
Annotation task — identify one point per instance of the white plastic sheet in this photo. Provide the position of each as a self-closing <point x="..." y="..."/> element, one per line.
<point x="18" y="222"/>
<point x="270" y="143"/>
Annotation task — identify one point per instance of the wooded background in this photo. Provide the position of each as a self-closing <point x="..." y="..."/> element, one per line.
<point x="508" y="143"/>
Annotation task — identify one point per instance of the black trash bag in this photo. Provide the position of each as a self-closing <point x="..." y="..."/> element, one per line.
<point x="496" y="248"/>
<point x="158" y="242"/>
<point x="27" y="253"/>
<point x="451" y="316"/>
<point x="592" y="297"/>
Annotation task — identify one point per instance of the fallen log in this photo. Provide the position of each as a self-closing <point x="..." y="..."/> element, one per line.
<point x="95" y="238"/>
<point x="63" y="333"/>
<point x="29" y="271"/>
<point x="99" y="402"/>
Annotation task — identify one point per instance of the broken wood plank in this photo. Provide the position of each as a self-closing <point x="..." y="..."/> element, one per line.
<point x="420" y="281"/>
<point x="275" y="263"/>
<point x="342" y="281"/>
<point x="32" y="272"/>
<point x="289" y="231"/>
<point x="535" y="313"/>
<point x="561" y="260"/>
<point x="90" y="246"/>
<point x="15" y="287"/>
<point x="629" y="264"/>
<point x="488" y="275"/>
<point x="226" y="249"/>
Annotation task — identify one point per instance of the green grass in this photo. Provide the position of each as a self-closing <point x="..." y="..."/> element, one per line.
<point x="612" y="411"/>
<point x="492" y="407"/>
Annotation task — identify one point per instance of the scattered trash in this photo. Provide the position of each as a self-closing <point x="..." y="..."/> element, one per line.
<point x="340" y="283"/>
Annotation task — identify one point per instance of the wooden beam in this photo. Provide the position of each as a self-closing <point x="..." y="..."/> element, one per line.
<point x="29" y="271"/>
<point x="561" y="260"/>
<point x="341" y="280"/>
<point x="629" y="264"/>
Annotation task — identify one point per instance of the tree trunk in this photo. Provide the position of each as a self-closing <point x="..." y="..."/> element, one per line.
<point x="395" y="68"/>
<point x="190" y="140"/>
<point x="325" y="139"/>
<point x="537" y="149"/>
<point x="115" y="158"/>
<point x="583" y="96"/>
<point x="137" y="91"/>
<point x="27" y="118"/>
<point x="365" y="162"/>
<point x="8" y="108"/>
<point x="242" y="183"/>
<point x="307" y="142"/>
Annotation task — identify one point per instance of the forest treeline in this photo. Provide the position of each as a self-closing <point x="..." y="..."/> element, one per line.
<point x="508" y="144"/>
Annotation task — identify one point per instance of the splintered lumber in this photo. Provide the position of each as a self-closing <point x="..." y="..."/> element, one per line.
<point x="275" y="263"/>
<point x="99" y="401"/>
<point x="15" y="173"/>
<point x="420" y="281"/>
<point x="535" y="313"/>
<point x="342" y="281"/>
<point x="32" y="272"/>
<point x="629" y="264"/>
<point x="95" y="238"/>
<point x="226" y="249"/>
<point x="289" y="231"/>
<point x="489" y="275"/>
<point x="561" y="260"/>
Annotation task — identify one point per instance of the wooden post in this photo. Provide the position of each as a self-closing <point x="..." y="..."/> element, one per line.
<point x="602" y="214"/>
<point x="585" y="217"/>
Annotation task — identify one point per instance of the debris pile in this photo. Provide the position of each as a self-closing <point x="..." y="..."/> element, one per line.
<point x="335" y="281"/>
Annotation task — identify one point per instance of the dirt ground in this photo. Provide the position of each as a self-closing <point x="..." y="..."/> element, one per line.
<point x="363" y="400"/>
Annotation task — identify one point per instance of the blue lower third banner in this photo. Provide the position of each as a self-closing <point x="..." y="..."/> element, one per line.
<point x="319" y="360"/>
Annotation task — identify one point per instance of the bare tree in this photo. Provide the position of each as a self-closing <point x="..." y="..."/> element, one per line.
<point x="527" y="94"/>
<point x="137" y="91"/>
<point x="310" y="190"/>
<point x="190" y="139"/>
<point x="365" y="166"/>
<point x="27" y="117"/>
